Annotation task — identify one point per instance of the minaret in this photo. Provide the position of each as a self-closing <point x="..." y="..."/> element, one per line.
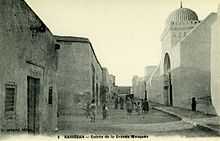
<point x="181" y="4"/>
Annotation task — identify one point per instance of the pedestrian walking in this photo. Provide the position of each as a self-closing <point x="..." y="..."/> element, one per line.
<point x="193" y="104"/>
<point x="87" y="109"/>
<point x="145" y="107"/>
<point x="104" y="111"/>
<point x="129" y="107"/>
<point x="116" y="102"/>
<point x="92" y="110"/>
<point x="121" y="103"/>
<point x="138" y="108"/>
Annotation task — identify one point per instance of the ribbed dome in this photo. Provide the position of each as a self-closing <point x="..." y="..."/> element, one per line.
<point x="181" y="16"/>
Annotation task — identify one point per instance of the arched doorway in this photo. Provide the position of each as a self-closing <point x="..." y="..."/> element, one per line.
<point x="167" y="88"/>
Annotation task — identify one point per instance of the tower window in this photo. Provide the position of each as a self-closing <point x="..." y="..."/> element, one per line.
<point x="50" y="96"/>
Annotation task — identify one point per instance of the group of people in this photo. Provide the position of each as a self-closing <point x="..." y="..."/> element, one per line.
<point x="91" y="111"/>
<point x="140" y="107"/>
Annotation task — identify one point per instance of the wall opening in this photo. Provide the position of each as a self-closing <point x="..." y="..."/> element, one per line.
<point x="33" y="92"/>
<point x="10" y="101"/>
<point x="167" y="85"/>
<point x="93" y="82"/>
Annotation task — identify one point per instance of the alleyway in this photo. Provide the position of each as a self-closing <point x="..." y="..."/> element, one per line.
<point x="154" y="123"/>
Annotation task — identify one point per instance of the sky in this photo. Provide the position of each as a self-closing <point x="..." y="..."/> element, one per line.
<point x="125" y="33"/>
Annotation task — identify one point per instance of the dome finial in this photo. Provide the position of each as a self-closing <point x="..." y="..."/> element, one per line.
<point x="181" y="4"/>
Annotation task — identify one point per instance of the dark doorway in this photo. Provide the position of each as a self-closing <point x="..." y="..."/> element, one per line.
<point x="167" y="91"/>
<point x="93" y="82"/>
<point x="33" y="92"/>
<point x="97" y="94"/>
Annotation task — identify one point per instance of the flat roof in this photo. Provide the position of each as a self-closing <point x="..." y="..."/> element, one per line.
<point x="71" y="39"/>
<point x="77" y="39"/>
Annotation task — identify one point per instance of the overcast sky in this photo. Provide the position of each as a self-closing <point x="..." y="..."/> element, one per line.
<point x="125" y="33"/>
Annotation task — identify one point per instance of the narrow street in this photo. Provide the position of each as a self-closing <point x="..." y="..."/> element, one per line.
<point x="154" y="123"/>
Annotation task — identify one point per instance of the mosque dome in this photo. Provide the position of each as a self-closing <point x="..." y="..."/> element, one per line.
<point x="182" y="16"/>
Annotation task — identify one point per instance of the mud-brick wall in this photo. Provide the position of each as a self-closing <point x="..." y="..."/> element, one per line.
<point x="73" y="77"/>
<point x="74" y="82"/>
<point x="26" y="51"/>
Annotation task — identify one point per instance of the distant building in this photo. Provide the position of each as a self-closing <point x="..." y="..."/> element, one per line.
<point x="112" y="80"/>
<point x="215" y="63"/>
<point x="28" y="60"/>
<point x="148" y="71"/>
<point x="184" y="70"/>
<point x="105" y="86"/>
<point x="113" y="87"/>
<point x="124" y="91"/>
<point x="138" y="87"/>
<point x="154" y="86"/>
<point x="134" y="84"/>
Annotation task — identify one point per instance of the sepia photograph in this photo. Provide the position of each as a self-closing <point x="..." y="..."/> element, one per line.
<point x="109" y="69"/>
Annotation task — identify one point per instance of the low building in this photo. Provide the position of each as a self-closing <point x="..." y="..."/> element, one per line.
<point x="124" y="91"/>
<point x="28" y="60"/>
<point x="138" y="87"/>
<point x="134" y="83"/>
<point x="215" y="63"/>
<point x="105" y="88"/>
<point x="79" y="75"/>
<point x="113" y="88"/>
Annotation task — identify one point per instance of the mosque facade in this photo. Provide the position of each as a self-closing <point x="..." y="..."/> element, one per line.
<point x="215" y="63"/>
<point x="184" y="70"/>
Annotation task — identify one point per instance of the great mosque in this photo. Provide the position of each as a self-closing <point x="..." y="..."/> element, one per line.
<point x="184" y="71"/>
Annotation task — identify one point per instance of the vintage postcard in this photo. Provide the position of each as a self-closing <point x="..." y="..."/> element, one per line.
<point x="109" y="69"/>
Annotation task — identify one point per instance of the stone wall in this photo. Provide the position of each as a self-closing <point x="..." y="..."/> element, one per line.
<point x="215" y="63"/>
<point x="195" y="48"/>
<point x="188" y="83"/>
<point x="106" y="85"/>
<point x="75" y="75"/>
<point x="138" y="87"/>
<point x="192" y="79"/>
<point x="189" y="68"/>
<point x="154" y="87"/>
<point x="27" y="48"/>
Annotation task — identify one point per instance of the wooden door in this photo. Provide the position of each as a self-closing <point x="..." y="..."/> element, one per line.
<point x="33" y="105"/>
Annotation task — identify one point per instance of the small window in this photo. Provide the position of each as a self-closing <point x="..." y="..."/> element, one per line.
<point x="50" y="97"/>
<point x="10" y="99"/>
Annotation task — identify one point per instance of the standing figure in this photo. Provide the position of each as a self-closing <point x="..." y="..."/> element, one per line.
<point x="92" y="110"/>
<point x="138" y="108"/>
<point x="145" y="106"/>
<point x="87" y="109"/>
<point x="193" y="104"/>
<point x="116" y="102"/>
<point x="129" y="107"/>
<point x="104" y="111"/>
<point x="121" y="103"/>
